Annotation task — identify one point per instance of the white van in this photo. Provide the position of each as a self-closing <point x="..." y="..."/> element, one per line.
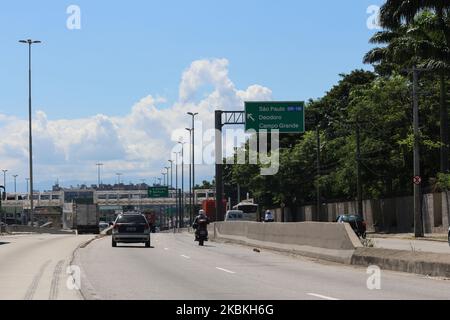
<point x="235" y="215"/>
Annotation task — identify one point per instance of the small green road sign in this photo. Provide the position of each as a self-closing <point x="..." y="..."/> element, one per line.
<point x="158" y="192"/>
<point x="288" y="117"/>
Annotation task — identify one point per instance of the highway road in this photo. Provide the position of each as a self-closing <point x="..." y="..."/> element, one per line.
<point x="178" y="269"/>
<point x="33" y="267"/>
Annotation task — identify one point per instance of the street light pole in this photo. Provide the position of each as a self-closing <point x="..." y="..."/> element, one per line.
<point x="191" y="215"/>
<point x="167" y="175"/>
<point x="99" y="165"/>
<point x="193" y="115"/>
<point x="4" y="178"/>
<point x="164" y="178"/>
<point x="30" y="127"/>
<point x="15" y="198"/>
<point x="171" y="174"/>
<point x="182" y="182"/>
<point x="176" y="186"/>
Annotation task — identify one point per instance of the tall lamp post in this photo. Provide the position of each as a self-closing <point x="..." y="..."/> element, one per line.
<point x="4" y="178"/>
<point x="182" y="182"/>
<point x="167" y="175"/>
<point x="171" y="174"/>
<point x="191" y="213"/>
<point x="99" y="165"/>
<point x="30" y="42"/>
<point x="176" y="187"/>
<point x="15" y="197"/>
<point x="164" y="178"/>
<point x="193" y="115"/>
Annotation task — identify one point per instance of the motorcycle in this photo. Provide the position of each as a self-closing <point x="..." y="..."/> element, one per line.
<point x="201" y="233"/>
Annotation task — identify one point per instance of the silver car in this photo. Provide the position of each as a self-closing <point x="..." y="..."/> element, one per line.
<point x="131" y="228"/>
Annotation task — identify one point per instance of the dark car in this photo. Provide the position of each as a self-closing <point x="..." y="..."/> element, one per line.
<point x="356" y="222"/>
<point x="131" y="228"/>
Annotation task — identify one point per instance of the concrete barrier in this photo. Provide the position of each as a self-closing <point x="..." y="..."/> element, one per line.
<point x="30" y="229"/>
<point x="424" y="263"/>
<point x="327" y="241"/>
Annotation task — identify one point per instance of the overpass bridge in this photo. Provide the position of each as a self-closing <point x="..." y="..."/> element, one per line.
<point x="103" y="198"/>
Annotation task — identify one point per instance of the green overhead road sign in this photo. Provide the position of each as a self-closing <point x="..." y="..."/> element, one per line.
<point x="288" y="117"/>
<point x="158" y="192"/>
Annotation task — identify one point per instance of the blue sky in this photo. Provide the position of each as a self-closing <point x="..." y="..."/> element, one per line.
<point x="127" y="50"/>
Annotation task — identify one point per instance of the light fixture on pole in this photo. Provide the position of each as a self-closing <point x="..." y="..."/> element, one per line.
<point x="30" y="42"/>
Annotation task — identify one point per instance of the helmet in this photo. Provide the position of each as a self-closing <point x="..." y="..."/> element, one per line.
<point x="201" y="212"/>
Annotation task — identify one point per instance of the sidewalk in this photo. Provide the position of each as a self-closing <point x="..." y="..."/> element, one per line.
<point x="441" y="237"/>
<point x="436" y="243"/>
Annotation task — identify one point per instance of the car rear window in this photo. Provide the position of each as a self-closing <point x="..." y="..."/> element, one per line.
<point x="131" y="219"/>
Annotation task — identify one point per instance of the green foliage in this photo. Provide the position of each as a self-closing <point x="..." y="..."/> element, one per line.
<point x="380" y="105"/>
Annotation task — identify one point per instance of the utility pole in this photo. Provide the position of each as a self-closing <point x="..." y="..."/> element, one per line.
<point x="358" y="166"/>
<point x="30" y="42"/>
<point x="319" y="202"/>
<point x="167" y="175"/>
<point x="418" y="222"/>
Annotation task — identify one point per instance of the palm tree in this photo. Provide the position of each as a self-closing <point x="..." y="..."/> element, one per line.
<point x="396" y="14"/>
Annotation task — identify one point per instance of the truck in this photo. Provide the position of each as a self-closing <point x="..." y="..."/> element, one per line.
<point x="87" y="218"/>
<point x="209" y="206"/>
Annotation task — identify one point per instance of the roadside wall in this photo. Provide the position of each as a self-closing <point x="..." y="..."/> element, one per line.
<point x="384" y="215"/>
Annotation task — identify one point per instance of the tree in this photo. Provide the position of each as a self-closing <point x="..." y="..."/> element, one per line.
<point x="397" y="14"/>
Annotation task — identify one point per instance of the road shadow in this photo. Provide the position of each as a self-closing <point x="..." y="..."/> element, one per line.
<point x="2" y="243"/>
<point x="133" y="247"/>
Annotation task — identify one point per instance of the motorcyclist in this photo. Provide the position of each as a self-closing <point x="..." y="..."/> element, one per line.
<point x="269" y="217"/>
<point x="200" y="222"/>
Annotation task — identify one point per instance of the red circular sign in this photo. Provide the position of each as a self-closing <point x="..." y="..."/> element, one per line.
<point x="417" y="180"/>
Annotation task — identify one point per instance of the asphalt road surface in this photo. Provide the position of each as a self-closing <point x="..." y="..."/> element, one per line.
<point x="176" y="268"/>
<point x="33" y="267"/>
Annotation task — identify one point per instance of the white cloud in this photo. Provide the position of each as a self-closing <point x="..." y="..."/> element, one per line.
<point x="138" y="144"/>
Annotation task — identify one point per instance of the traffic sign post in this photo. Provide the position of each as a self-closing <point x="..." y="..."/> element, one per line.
<point x="287" y="117"/>
<point x="158" y="192"/>
<point x="417" y="180"/>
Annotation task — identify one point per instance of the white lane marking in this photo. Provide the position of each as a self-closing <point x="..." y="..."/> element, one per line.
<point x="225" y="270"/>
<point x="322" y="297"/>
<point x="187" y="257"/>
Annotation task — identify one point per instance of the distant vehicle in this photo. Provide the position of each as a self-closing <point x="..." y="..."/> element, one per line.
<point x="209" y="206"/>
<point x="249" y="209"/>
<point x="449" y="236"/>
<point x="235" y="215"/>
<point x="103" y="225"/>
<point x="131" y="228"/>
<point x="87" y="218"/>
<point x="356" y="222"/>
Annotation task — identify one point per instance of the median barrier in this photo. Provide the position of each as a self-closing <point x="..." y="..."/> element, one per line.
<point x="328" y="241"/>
